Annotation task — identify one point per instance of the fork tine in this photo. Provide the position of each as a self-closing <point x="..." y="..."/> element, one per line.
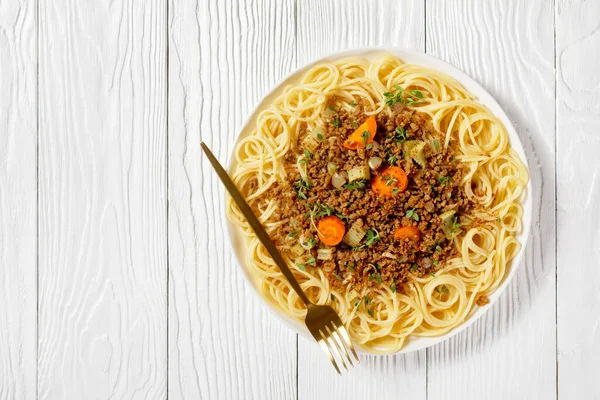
<point x="340" y="346"/>
<point x="332" y="350"/>
<point x="325" y="348"/>
<point x="344" y="334"/>
<point x="335" y="343"/>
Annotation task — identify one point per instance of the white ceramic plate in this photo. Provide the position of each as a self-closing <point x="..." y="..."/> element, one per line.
<point x="410" y="57"/>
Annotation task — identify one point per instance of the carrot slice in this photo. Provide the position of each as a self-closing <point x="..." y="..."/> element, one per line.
<point x="390" y="181"/>
<point x="359" y="138"/>
<point x="408" y="232"/>
<point x="331" y="230"/>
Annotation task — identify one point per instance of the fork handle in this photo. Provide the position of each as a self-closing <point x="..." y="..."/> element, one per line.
<point x="263" y="236"/>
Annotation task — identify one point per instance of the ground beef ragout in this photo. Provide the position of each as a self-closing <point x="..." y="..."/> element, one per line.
<point x="387" y="183"/>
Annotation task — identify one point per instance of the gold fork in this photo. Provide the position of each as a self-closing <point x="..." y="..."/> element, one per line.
<point x="322" y="321"/>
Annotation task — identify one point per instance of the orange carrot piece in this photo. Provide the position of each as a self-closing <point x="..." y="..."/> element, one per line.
<point x="408" y="232"/>
<point x="359" y="138"/>
<point x="390" y="181"/>
<point x="331" y="230"/>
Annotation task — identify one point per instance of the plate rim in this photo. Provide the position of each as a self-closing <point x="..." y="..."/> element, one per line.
<point x="414" y="343"/>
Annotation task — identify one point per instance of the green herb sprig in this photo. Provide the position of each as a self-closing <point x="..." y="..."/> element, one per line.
<point x="336" y="121"/>
<point x="311" y="261"/>
<point x="455" y="224"/>
<point x="302" y="186"/>
<point x="445" y="180"/>
<point x="412" y="214"/>
<point x="365" y="136"/>
<point x="402" y="97"/>
<point x="389" y="181"/>
<point x="371" y="237"/>
<point x="400" y="135"/>
<point x="392" y="98"/>
<point x="356" y="185"/>
<point x="310" y="242"/>
<point x="441" y="291"/>
<point x="321" y="210"/>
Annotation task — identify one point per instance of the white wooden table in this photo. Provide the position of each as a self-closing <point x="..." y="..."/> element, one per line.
<point x="116" y="278"/>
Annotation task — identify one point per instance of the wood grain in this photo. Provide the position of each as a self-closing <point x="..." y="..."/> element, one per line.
<point x="578" y="217"/>
<point x="102" y="191"/>
<point x="325" y="27"/>
<point x="223" y="344"/>
<point x="18" y="197"/>
<point x="507" y="47"/>
<point x="139" y="293"/>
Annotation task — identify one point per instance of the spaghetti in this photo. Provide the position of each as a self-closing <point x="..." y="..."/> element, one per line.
<point x="483" y="251"/>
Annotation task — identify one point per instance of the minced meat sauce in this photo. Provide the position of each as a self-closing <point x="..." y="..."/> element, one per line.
<point x="433" y="189"/>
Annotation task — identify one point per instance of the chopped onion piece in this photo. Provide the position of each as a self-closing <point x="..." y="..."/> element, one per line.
<point x="398" y="107"/>
<point x="331" y="168"/>
<point x="329" y="112"/>
<point x="354" y="235"/>
<point x="429" y="206"/>
<point x="375" y="162"/>
<point x="358" y="173"/>
<point x="413" y="149"/>
<point x="301" y="166"/>
<point x="436" y="146"/>
<point x="337" y="180"/>
<point x="305" y="242"/>
<point x="324" y="254"/>
<point x="297" y="250"/>
<point x="427" y="262"/>
<point x="311" y="141"/>
<point x="375" y="145"/>
<point x="387" y="254"/>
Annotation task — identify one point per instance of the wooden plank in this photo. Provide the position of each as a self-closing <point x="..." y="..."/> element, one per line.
<point x="578" y="123"/>
<point x="102" y="209"/>
<point x="18" y="197"/>
<point x="223" y="343"/>
<point x="323" y="28"/>
<point x="508" y="47"/>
